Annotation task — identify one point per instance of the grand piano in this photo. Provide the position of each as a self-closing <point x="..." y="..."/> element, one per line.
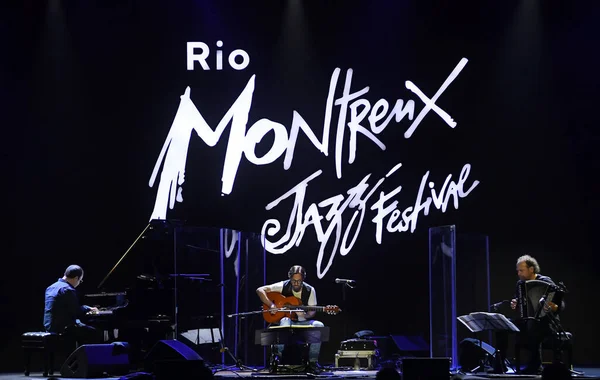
<point x="149" y="293"/>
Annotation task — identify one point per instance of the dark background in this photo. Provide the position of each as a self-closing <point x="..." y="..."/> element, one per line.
<point x="90" y="89"/>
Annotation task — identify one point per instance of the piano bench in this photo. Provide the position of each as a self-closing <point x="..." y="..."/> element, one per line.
<point x="40" y="341"/>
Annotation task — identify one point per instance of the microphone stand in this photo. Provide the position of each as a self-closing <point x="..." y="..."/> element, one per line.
<point x="344" y="285"/>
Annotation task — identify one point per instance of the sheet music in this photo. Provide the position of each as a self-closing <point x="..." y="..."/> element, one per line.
<point x="203" y="336"/>
<point x="469" y="323"/>
<point x="481" y="321"/>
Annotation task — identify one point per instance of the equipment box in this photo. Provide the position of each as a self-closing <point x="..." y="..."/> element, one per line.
<point x="357" y="359"/>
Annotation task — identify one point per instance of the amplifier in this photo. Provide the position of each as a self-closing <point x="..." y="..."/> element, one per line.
<point x="357" y="359"/>
<point x="358" y="344"/>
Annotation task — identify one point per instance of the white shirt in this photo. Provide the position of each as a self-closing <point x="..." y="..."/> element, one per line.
<point x="312" y="298"/>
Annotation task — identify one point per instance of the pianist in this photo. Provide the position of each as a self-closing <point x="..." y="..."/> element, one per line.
<point x="62" y="309"/>
<point x="295" y="286"/>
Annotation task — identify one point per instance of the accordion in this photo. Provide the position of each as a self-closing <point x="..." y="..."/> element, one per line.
<point x="530" y="293"/>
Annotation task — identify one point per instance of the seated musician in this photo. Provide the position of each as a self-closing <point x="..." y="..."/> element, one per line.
<point x="62" y="309"/>
<point x="533" y="332"/>
<point x="295" y="286"/>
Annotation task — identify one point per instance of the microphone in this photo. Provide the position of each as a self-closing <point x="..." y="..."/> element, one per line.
<point x="344" y="281"/>
<point x="498" y="304"/>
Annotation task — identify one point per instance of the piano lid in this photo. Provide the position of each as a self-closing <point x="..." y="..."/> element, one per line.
<point x="168" y="263"/>
<point x="148" y="260"/>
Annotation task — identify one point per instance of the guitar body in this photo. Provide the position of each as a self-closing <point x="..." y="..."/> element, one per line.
<point x="281" y="302"/>
<point x="291" y="303"/>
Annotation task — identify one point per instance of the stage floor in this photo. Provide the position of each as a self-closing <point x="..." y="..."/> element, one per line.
<point x="588" y="373"/>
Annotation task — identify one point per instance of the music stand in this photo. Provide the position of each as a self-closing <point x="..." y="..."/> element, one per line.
<point x="295" y="334"/>
<point x="483" y="321"/>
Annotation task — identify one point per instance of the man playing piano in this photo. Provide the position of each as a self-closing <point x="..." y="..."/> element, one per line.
<point x="295" y="286"/>
<point x="533" y="332"/>
<point x="62" y="309"/>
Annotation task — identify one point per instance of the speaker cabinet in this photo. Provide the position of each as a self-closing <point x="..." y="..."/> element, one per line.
<point x="96" y="360"/>
<point x="425" y="368"/>
<point x="172" y="359"/>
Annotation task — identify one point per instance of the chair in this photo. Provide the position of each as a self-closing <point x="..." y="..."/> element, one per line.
<point x="294" y="352"/>
<point x="40" y="341"/>
<point x="560" y="343"/>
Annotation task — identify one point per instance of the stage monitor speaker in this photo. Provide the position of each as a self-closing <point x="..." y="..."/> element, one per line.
<point x="470" y="354"/>
<point x="425" y="368"/>
<point x="172" y="359"/>
<point x="411" y="345"/>
<point x="97" y="360"/>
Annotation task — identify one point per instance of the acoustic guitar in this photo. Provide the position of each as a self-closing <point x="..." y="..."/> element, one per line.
<point x="291" y="303"/>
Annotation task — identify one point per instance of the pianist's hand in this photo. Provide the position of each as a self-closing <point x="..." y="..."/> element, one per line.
<point x="93" y="310"/>
<point x="513" y="304"/>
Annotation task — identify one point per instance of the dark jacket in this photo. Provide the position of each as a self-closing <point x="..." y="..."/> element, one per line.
<point x="288" y="291"/>
<point x="61" y="307"/>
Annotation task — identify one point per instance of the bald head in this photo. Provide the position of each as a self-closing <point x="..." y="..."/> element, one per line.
<point x="74" y="275"/>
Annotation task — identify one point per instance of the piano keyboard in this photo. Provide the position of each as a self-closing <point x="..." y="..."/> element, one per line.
<point x="106" y="294"/>
<point x="104" y="310"/>
<point x="101" y="312"/>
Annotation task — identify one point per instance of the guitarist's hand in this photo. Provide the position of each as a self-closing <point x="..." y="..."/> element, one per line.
<point x="273" y="309"/>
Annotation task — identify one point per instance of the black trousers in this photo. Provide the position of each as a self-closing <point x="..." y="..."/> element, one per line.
<point x="530" y="338"/>
<point x="83" y="334"/>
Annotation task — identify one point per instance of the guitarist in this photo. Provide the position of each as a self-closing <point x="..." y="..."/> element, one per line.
<point x="295" y="286"/>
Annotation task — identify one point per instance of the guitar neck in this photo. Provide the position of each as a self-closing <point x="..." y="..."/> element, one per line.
<point x="310" y="308"/>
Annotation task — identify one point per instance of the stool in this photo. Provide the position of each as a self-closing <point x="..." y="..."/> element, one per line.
<point x="40" y="341"/>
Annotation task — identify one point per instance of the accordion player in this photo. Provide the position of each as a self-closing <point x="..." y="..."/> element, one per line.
<point x="538" y="302"/>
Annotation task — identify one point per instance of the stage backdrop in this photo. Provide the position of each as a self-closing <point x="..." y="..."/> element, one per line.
<point x="340" y="130"/>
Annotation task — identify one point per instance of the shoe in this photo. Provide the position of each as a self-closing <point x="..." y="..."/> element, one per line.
<point x="315" y="366"/>
<point x="532" y="370"/>
<point x="275" y="360"/>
